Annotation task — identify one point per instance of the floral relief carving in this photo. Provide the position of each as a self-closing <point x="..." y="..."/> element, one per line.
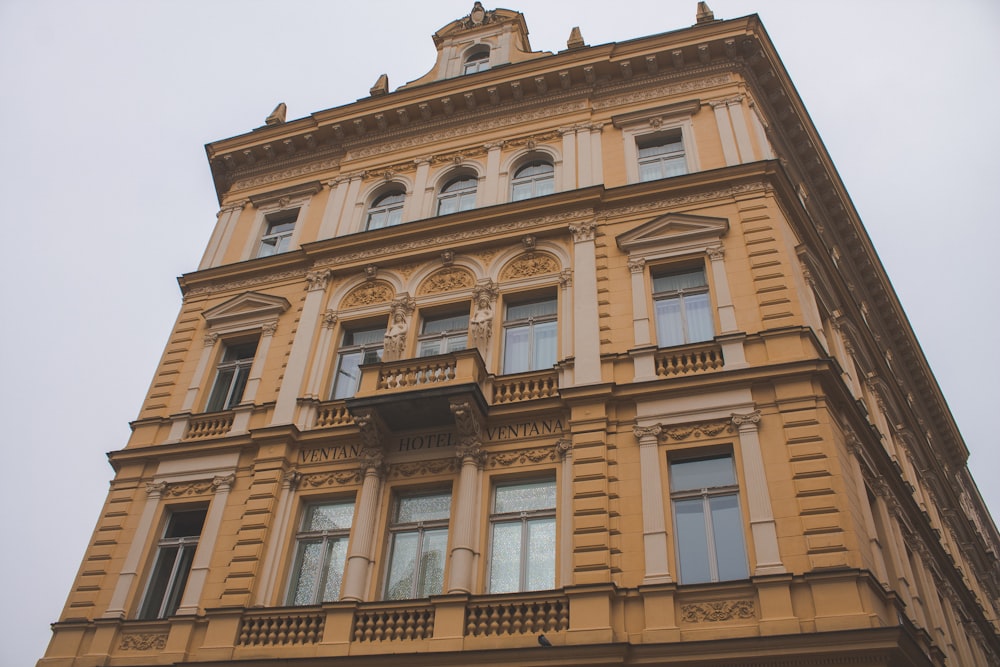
<point x="144" y="641"/>
<point x="715" y="612"/>
<point x="369" y="294"/>
<point x="706" y="429"/>
<point x="320" y="479"/>
<point x="446" y="280"/>
<point x="214" y="288"/>
<point x="181" y="489"/>
<point x="419" y="468"/>
<point x="530" y="264"/>
<point x="525" y="456"/>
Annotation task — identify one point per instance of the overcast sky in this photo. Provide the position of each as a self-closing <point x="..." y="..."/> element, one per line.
<point x="106" y="107"/>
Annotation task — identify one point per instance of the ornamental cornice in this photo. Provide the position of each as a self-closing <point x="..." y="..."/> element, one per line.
<point x="685" y="200"/>
<point x="272" y="172"/>
<point x="243" y="283"/>
<point x="644" y="91"/>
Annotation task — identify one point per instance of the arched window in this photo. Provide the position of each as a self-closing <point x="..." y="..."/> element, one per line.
<point x="533" y="179"/>
<point x="458" y="195"/>
<point x="386" y="210"/>
<point x="478" y="61"/>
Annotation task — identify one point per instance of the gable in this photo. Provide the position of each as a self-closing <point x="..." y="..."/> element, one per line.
<point x="247" y="309"/>
<point x="673" y="231"/>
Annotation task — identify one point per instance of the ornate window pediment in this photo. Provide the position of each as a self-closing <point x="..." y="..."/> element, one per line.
<point x="673" y="233"/>
<point x="246" y="310"/>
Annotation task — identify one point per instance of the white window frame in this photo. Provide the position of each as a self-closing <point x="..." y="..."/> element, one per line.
<point x="477" y="59"/>
<point x="237" y="382"/>
<point x="462" y="196"/>
<point x="444" y="340"/>
<point x="324" y="537"/>
<point x="644" y="124"/>
<point x="167" y="603"/>
<point x="277" y="242"/>
<point x="530" y="323"/>
<point x="419" y="528"/>
<point x="524" y="518"/>
<point x="533" y="180"/>
<point x="682" y="296"/>
<point x="377" y="209"/>
<point x="345" y="350"/>
<point x="706" y="495"/>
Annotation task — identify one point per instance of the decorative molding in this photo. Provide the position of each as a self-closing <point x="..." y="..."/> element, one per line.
<point x="566" y="278"/>
<point x="748" y="421"/>
<point x="653" y="431"/>
<point x="636" y="264"/>
<point x="528" y="455"/>
<point x="210" y="339"/>
<point x="717" y="612"/>
<point x="330" y="318"/>
<point x="584" y="231"/>
<point x="528" y="265"/>
<point x="223" y="482"/>
<point x="447" y="279"/>
<point x="196" y="488"/>
<point x="155" y="489"/>
<point x="317" y="280"/>
<point x="244" y="283"/>
<point x="422" y="468"/>
<point x="268" y="328"/>
<point x="311" y="166"/>
<point x="704" y="429"/>
<point x="143" y="641"/>
<point x="321" y="479"/>
<point x="368" y="294"/>
<point x="647" y="92"/>
<point x="716" y="253"/>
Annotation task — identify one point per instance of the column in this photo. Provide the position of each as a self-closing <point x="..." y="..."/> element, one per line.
<point x="569" y="159"/>
<point x="298" y="358"/>
<point x="348" y="223"/>
<point x="565" y="447"/>
<point x="643" y="355"/>
<point x="762" y="527"/>
<point x="224" y="226"/>
<point x="729" y="150"/>
<point x="360" y="557"/>
<point x="206" y="546"/>
<point x="566" y="323"/>
<point x="282" y="516"/>
<point x="130" y="568"/>
<point x="730" y="337"/>
<point x="596" y="159"/>
<point x="654" y="524"/>
<point x="489" y="191"/>
<point x="334" y="207"/>
<point x="314" y="390"/>
<point x="413" y="207"/>
<point x="465" y="534"/>
<point x="583" y="157"/>
<point x="739" y="121"/>
<point x="586" y="327"/>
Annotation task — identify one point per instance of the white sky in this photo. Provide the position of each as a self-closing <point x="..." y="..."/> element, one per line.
<point x="106" y="107"/>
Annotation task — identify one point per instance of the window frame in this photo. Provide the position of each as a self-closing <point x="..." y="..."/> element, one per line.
<point x="282" y="238"/>
<point x="160" y="604"/>
<point x="683" y="296"/>
<point x="479" y="58"/>
<point x="377" y="208"/>
<point x="710" y="534"/>
<point x="240" y="367"/>
<point x="531" y="323"/>
<point x="524" y="518"/>
<point x="345" y="350"/>
<point x="395" y="528"/>
<point x="533" y="180"/>
<point x="664" y="161"/>
<point x="635" y="126"/>
<point x="445" y="337"/>
<point x="466" y="197"/>
<point x="324" y="537"/>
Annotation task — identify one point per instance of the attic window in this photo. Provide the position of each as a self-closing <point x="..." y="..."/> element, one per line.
<point x="478" y="61"/>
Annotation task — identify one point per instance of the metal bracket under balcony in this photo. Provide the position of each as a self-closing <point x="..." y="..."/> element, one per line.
<point x="418" y="393"/>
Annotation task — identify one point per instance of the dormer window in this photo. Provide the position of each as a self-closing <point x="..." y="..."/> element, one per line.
<point x="478" y="61"/>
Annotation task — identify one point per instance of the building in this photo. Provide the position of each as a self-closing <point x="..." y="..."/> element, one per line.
<point x="589" y="345"/>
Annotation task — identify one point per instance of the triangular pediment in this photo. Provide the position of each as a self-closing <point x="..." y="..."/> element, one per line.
<point x="247" y="308"/>
<point x="672" y="230"/>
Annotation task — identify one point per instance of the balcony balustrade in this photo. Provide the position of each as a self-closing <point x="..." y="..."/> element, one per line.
<point x="689" y="359"/>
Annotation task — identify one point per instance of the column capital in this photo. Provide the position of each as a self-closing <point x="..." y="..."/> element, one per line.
<point x="330" y="318"/>
<point x="647" y="433"/>
<point x="210" y="339"/>
<point x="317" y="280"/>
<point x="715" y="253"/>
<point x="585" y="231"/>
<point x="268" y="328"/>
<point x="636" y="264"/>
<point x="290" y="479"/>
<point x="223" y="483"/>
<point x="746" y="422"/>
<point x="155" y="489"/>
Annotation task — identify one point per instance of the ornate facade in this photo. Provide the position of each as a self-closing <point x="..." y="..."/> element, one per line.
<point x="582" y="358"/>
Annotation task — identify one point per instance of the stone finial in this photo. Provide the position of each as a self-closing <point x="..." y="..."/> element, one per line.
<point x="705" y="15"/>
<point x="381" y="86"/>
<point x="575" y="40"/>
<point x="277" y="116"/>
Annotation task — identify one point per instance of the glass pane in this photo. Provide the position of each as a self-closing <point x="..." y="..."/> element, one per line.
<point x="423" y="508"/>
<point x="268" y="247"/>
<point x="545" y="186"/>
<point x="387" y="201"/>
<point x="695" y="474"/>
<point x="727" y="531"/>
<point x="676" y="166"/>
<point x="522" y="191"/>
<point x="523" y="311"/>
<point x="364" y="336"/>
<point x="447" y="323"/>
<point x="649" y="171"/>
<point x="467" y="201"/>
<point x="541" y="573"/>
<point x="276" y="228"/>
<point x="429" y="348"/>
<point x="505" y="560"/>
<point x="516" y="349"/>
<point x="157" y="588"/>
<point x="348" y="375"/>
<point x="306" y="578"/>
<point x="185" y="524"/>
<point x="447" y="205"/>
<point x="545" y="345"/>
<point x="692" y="541"/>
<point x="669" y="323"/>
<point x="220" y="390"/>
<point x="181" y="572"/>
<point x="456" y="343"/>
<point x="239" y="384"/>
<point x="525" y="497"/>
<point x="377" y="219"/>
<point x="335" y="516"/>
<point x="394" y="216"/>
<point x="698" y="313"/>
<point x="335" y="558"/>
<point x="402" y="567"/>
<point x="432" y="557"/>
<point x="677" y="281"/>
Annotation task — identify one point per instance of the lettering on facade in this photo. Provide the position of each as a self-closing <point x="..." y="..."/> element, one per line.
<point x="436" y="440"/>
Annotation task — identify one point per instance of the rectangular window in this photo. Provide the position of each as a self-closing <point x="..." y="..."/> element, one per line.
<point x="361" y="346"/>
<point x="278" y="233"/>
<point x="683" y="308"/>
<point x="174" y="555"/>
<point x="320" y="553"/>
<point x="523" y="537"/>
<point x="231" y="376"/>
<point x="443" y="334"/>
<point x="529" y="336"/>
<point x="708" y="526"/>
<point x="418" y="546"/>
<point x="661" y="155"/>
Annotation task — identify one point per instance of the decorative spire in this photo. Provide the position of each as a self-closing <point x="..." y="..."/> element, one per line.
<point x="705" y="15"/>
<point x="575" y="40"/>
